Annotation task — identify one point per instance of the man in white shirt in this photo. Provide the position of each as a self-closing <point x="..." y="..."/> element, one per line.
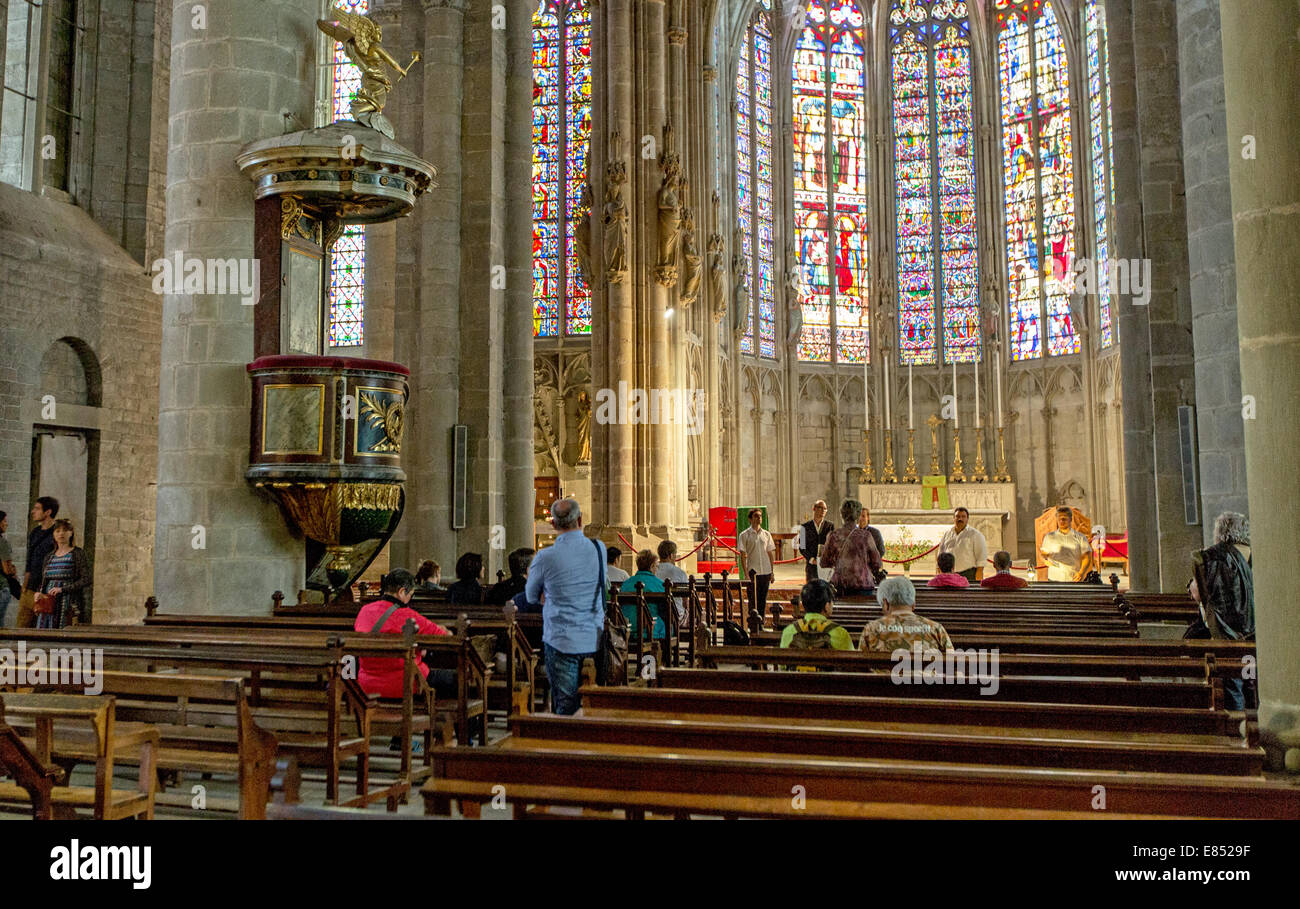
<point x="1066" y="551"/>
<point x="756" y="547"/>
<point x="613" y="572"/>
<point x="668" y="570"/>
<point x="968" y="547"/>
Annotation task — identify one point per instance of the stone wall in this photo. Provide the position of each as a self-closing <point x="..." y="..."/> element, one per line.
<point x="65" y="278"/>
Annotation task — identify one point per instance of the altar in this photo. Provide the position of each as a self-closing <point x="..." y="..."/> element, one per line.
<point x="897" y="510"/>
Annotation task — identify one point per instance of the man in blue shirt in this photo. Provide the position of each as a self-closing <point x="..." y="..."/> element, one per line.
<point x="571" y="574"/>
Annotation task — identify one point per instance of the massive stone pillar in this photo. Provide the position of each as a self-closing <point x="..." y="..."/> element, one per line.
<point x="1261" y="76"/>
<point x="658" y="458"/>
<point x="1156" y="352"/>
<point x="1222" y="457"/>
<point x="517" y="321"/>
<point x="220" y="546"/>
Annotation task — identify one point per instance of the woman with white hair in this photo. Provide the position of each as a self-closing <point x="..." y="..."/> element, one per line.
<point x="899" y="627"/>
<point x="1223" y="584"/>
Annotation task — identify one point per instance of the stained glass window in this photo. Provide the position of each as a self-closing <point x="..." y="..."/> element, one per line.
<point x="830" y="182"/>
<point x="1100" y="156"/>
<point x="754" y="203"/>
<point x="934" y="170"/>
<point x="347" y="292"/>
<point x="561" y="143"/>
<point x="1038" y="178"/>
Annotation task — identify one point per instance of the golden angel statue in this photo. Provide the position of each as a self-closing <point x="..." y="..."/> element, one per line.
<point x="361" y="39"/>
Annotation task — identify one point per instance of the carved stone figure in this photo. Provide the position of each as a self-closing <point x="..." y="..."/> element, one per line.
<point x="739" y="292"/>
<point x="582" y="236"/>
<point x="717" y="277"/>
<point x="670" y="220"/>
<point x="361" y="39"/>
<point x="691" y="257"/>
<point x="616" y="226"/>
<point x="584" y="428"/>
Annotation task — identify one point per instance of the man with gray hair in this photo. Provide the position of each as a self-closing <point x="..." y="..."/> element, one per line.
<point x="1223" y="584"/>
<point x="899" y="627"/>
<point x="571" y="574"/>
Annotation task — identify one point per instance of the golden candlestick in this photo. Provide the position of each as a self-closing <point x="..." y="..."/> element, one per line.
<point x="934" y="423"/>
<point x="1003" y="475"/>
<point x="868" y="472"/>
<point x="910" y="476"/>
<point x="888" y="475"/>
<point x="957" y="475"/>
<point x="980" y="475"/>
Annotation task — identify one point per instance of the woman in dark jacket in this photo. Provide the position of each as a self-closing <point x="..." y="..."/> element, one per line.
<point x="1223" y="585"/>
<point x="66" y="577"/>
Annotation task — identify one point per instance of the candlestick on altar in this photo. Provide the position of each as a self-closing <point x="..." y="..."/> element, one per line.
<point x="911" y="422"/>
<point x="910" y="475"/>
<point x="866" y="391"/>
<point x="997" y="384"/>
<point x="1003" y="475"/>
<point x="934" y="423"/>
<point x="977" y="394"/>
<point x="888" y="476"/>
<point x="958" y="475"/>
<point x="956" y="424"/>
<point x="980" y="475"/>
<point x="868" y="473"/>
<point x="885" y="389"/>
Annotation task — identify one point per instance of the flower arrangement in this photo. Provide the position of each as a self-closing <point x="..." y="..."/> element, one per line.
<point x="906" y="548"/>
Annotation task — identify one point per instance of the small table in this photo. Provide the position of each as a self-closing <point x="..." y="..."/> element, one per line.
<point x="780" y="539"/>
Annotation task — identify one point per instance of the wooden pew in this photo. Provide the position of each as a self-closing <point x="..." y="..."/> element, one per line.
<point x="1205" y="695"/>
<point x="26" y="771"/>
<point x="706" y="781"/>
<point x="91" y="719"/>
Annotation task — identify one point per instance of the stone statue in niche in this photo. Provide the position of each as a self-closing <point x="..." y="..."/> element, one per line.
<point x="739" y="275"/>
<point x="717" y="277"/>
<point x="691" y="257"/>
<point x="584" y="427"/>
<point x="582" y="236"/>
<point x="670" y="219"/>
<point x="616" y="226"/>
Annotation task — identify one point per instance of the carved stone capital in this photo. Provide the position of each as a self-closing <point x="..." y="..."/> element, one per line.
<point x="677" y="36"/>
<point x="457" y="5"/>
<point x="710" y="73"/>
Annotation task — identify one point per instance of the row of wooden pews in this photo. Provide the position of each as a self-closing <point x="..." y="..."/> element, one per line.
<point x="1089" y="722"/>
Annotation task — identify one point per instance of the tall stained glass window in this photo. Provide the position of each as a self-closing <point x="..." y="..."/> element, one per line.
<point x="1100" y="156"/>
<point x="830" y="182"/>
<point x="561" y="146"/>
<point x="934" y="169"/>
<point x="348" y="257"/>
<point x="754" y="182"/>
<point x="1038" y="177"/>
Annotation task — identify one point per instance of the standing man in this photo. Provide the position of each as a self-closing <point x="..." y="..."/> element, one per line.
<point x="571" y="573"/>
<point x="40" y="543"/>
<point x="756" y="547"/>
<point x="968" y="547"/>
<point x="1066" y="551"/>
<point x="814" y="533"/>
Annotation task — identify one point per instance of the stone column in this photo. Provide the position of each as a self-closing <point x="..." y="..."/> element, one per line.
<point x="518" y="318"/>
<point x="658" y="463"/>
<point x="1261" y="77"/>
<point x="435" y="366"/>
<point x="229" y="84"/>
<point x="1219" y="430"/>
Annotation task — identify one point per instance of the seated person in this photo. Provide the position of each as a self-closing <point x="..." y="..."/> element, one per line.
<point x="814" y="630"/>
<point x="1066" y="551"/>
<point x="899" y="627"/>
<point x="382" y="676"/>
<point x="667" y="570"/>
<point x="645" y="563"/>
<point x="613" y="573"/>
<point x="505" y="591"/>
<point x="429" y="576"/>
<point x="946" y="576"/>
<point x="1003" y="579"/>
<point x="469" y="568"/>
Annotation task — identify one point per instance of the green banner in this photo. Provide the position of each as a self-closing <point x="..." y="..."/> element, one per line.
<point x="934" y="492"/>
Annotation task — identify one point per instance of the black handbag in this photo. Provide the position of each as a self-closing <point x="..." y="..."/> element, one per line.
<point x="611" y="649"/>
<point x="15" y="586"/>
